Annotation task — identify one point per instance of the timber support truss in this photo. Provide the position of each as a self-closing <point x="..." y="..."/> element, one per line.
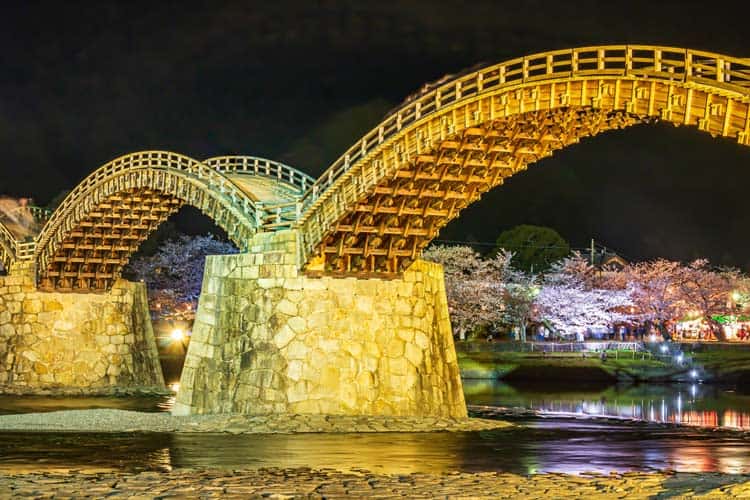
<point x="376" y="207"/>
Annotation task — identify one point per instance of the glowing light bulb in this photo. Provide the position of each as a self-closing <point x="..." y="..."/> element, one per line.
<point x="177" y="334"/>
<point x="694" y="373"/>
<point x="664" y="348"/>
<point x="175" y="386"/>
<point x="680" y="357"/>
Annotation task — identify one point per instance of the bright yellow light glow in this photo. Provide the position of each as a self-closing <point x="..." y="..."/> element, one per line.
<point x="175" y="386"/>
<point x="736" y="296"/>
<point x="177" y="334"/>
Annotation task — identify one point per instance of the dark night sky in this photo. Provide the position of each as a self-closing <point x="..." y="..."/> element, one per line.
<point x="83" y="82"/>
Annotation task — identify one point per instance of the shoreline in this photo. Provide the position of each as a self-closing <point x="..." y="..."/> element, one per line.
<point x="480" y="361"/>
<point x="117" y="421"/>
<point x="511" y="413"/>
<point x="307" y="482"/>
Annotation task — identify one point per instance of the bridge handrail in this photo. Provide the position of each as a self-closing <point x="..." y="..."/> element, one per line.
<point x="261" y="166"/>
<point x="142" y="160"/>
<point x="644" y="61"/>
<point x="22" y="250"/>
<point x="40" y="213"/>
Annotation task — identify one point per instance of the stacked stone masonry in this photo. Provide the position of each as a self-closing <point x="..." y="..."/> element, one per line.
<point x="269" y="339"/>
<point x="74" y="340"/>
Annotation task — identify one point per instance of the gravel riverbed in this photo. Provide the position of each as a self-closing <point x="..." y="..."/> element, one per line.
<point x="310" y="483"/>
<point x="109" y="420"/>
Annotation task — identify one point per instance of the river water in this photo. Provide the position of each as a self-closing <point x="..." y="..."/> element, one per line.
<point x="595" y="429"/>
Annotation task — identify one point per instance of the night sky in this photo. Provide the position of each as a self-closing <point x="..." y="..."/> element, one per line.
<point x="81" y="83"/>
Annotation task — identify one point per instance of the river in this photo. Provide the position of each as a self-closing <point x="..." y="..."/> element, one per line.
<point x="595" y="429"/>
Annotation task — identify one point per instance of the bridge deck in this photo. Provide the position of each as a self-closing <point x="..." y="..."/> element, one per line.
<point x="266" y="190"/>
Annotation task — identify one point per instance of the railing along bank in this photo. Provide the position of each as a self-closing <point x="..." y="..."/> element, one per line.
<point x="637" y="61"/>
<point x="550" y="347"/>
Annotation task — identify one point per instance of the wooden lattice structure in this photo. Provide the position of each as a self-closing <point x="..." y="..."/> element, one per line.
<point x="388" y="196"/>
<point x="96" y="229"/>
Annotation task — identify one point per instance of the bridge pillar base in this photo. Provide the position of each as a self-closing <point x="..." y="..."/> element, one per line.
<point x="86" y="342"/>
<point x="268" y="339"/>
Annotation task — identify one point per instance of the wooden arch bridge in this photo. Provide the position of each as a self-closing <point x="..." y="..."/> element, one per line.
<point x="388" y="195"/>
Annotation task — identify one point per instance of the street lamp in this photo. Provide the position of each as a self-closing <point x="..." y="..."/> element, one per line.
<point x="177" y="335"/>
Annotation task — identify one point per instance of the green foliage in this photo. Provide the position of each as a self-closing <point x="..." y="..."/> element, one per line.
<point x="534" y="248"/>
<point x="57" y="199"/>
<point x="321" y="146"/>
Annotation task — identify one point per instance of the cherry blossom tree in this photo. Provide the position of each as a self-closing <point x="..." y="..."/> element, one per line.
<point x="16" y="215"/>
<point x="656" y="290"/>
<point x="519" y="298"/>
<point x="474" y="286"/>
<point x="174" y="273"/>
<point x="576" y="296"/>
<point x="709" y="292"/>
<point x="573" y="308"/>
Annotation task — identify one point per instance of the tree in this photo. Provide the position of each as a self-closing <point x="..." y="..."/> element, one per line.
<point x="57" y="200"/>
<point x="474" y="286"/>
<point x="534" y="248"/>
<point x="573" y="308"/>
<point x="17" y="217"/>
<point x="709" y="292"/>
<point x="174" y="274"/>
<point x="656" y="290"/>
<point x="573" y="297"/>
<point x="519" y="296"/>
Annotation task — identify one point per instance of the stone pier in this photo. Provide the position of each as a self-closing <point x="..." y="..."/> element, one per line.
<point x="269" y="339"/>
<point x="86" y="342"/>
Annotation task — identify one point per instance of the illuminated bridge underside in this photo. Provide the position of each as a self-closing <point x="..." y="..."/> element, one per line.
<point x="96" y="230"/>
<point x="376" y="207"/>
<point x="387" y="230"/>
<point x="382" y="210"/>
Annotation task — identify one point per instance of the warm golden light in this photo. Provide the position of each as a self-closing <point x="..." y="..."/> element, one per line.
<point x="177" y="334"/>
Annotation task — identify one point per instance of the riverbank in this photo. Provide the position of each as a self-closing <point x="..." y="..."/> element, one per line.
<point x="482" y="361"/>
<point x="108" y="420"/>
<point x="116" y="391"/>
<point x="305" y="482"/>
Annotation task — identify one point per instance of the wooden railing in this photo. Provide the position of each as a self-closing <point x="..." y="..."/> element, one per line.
<point x="78" y="201"/>
<point x="731" y="74"/>
<point x="12" y="249"/>
<point x="40" y="214"/>
<point x="278" y="216"/>
<point x="725" y="74"/>
<point x="152" y="160"/>
<point x="261" y="166"/>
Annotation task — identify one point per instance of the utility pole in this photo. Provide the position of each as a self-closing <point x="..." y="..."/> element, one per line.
<point x="592" y="251"/>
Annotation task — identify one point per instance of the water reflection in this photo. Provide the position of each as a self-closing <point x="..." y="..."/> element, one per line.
<point x="542" y="445"/>
<point x="550" y="444"/>
<point x="627" y="447"/>
<point x="10" y="404"/>
<point x="687" y="404"/>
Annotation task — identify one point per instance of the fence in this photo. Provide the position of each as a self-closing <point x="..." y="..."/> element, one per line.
<point x="545" y="347"/>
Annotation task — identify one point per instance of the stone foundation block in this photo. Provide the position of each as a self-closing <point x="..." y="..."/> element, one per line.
<point x="75" y="340"/>
<point x="272" y="340"/>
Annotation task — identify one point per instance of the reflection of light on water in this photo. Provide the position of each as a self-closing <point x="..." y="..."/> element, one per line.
<point x="701" y="418"/>
<point x="694" y="459"/>
<point x="730" y="464"/>
<point x="160" y="459"/>
<point x="689" y="404"/>
<point x="736" y="419"/>
<point x="388" y="453"/>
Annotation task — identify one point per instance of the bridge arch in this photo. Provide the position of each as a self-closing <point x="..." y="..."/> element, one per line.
<point x="93" y="233"/>
<point x="388" y="196"/>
